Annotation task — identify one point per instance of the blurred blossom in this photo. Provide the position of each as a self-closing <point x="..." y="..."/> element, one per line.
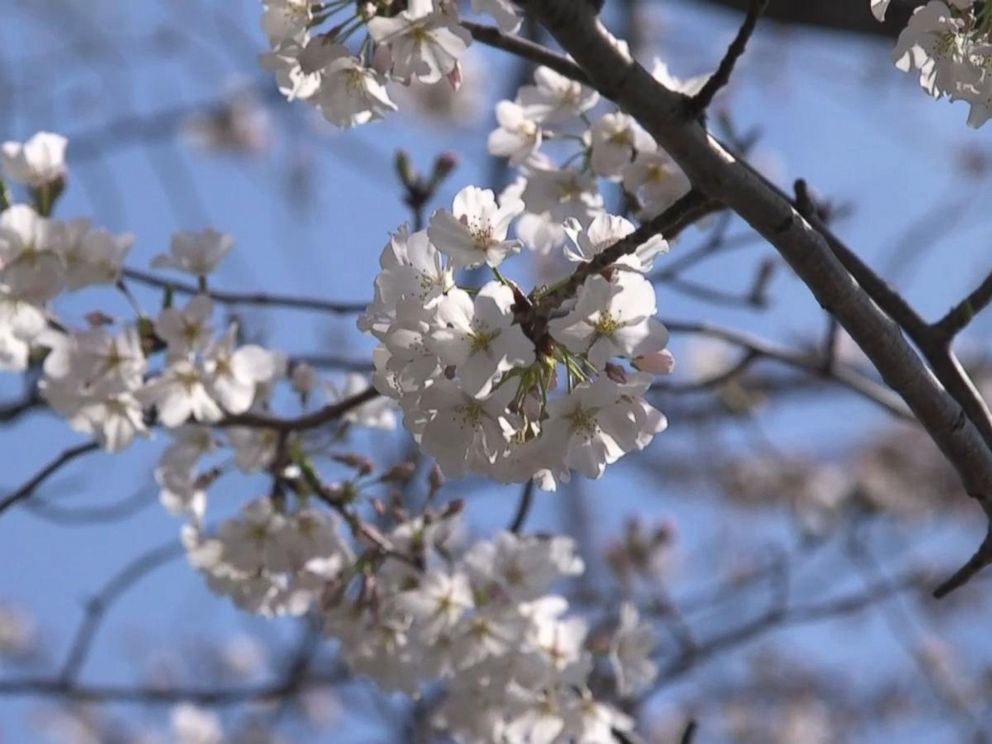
<point x="243" y="656"/>
<point x="320" y="707"/>
<point x="74" y="725"/>
<point x="706" y="359"/>
<point x="193" y="725"/>
<point x="645" y="553"/>
<point x="815" y="492"/>
<point x="240" y="125"/>
<point x="441" y="104"/>
<point x="18" y="632"/>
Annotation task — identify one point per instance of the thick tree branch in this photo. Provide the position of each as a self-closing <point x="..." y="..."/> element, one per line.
<point x="929" y="339"/>
<point x="851" y="16"/>
<point x="720" y="175"/>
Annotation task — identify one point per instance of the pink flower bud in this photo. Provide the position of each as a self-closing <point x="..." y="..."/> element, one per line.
<point x="657" y="362"/>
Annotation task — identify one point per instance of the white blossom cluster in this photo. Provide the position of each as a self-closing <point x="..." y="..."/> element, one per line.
<point x="950" y="45"/>
<point x="268" y="561"/>
<point x="346" y="70"/>
<point x="518" y="662"/>
<point x="478" y="393"/>
<point x="113" y="378"/>
<point x="555" y="114"/>
<point x="484" y="621"/>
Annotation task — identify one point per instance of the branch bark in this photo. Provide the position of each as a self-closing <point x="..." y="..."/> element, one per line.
<point x="850" y="16"/>
<point x="720" y="175"/>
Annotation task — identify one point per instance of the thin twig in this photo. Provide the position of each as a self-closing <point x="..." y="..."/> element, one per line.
<point x="308" y="421"/>
<point x="965" y="311"/>
<point x="690" y="208"/>
<point x="46" y="472"/>
<point x="157" y="695"/>
<point x="718" y="80"/>
<point x="523" y="507"/>
<point x="778" y="617"/>
<point x="981" y="559"/>
<point x="841" y="374"/>
<point x="495" y="38"/>
<point x="97" y="606"/>
<point x="13" y="410"/>
<point x="934" y="345"/>
<point x="715" y="380"/>
<point x="689" y="734"/>
<point x="86" y="515"/>
<point x="248" y="298"/>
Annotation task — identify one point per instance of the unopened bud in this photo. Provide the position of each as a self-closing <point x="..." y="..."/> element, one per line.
<point x="303" y="378"/>
<point x="616" y="373"/>
<point x="453" y="509"/>
<point x="205" y="480"/>
<point x="400" y="473"/>
<point x="404" y="169"/>
<point x="444" y="165"/>
<point x="96" y="319"/>
<point x="455" y="77"/>
<point x="362" y="464"/>
<point x="435" y="479"/>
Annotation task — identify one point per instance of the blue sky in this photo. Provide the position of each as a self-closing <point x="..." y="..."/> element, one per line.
<point x="829" y="108"/>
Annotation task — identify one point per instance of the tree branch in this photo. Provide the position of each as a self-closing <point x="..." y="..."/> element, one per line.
<point x="526" y="49"/>
<point x="154" y="695"/>
<point x="26" y="490"/>
<point x="719" y="174"/>
<point x="523" y="507"/>
<point x="965" y="311"/>
<point x="934" y="345"/>
<point x="313" y="420"/>
<point x="249" y="298"/>
<point x="851" y="16"/>
<point x="698" y="104"/>
<point x="759" y="347"/>
<point x="97" y="606"/>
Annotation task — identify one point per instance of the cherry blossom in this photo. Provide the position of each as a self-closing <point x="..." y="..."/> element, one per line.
<point x="604" y="231"/>
<point x="612" y="318"/>
<point x="554" y="98"/>
<point x="31" y="263"/>
<point x="631" y="647"/>
<point x="181" y="392"/>
<point x="195" y="253"/>
<point x="474" y="232"/>
<point x="517" y="138"/>
<point x="423" y="43"/>
<point x="36" y="163"/>
<point x="478" y="337"/>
